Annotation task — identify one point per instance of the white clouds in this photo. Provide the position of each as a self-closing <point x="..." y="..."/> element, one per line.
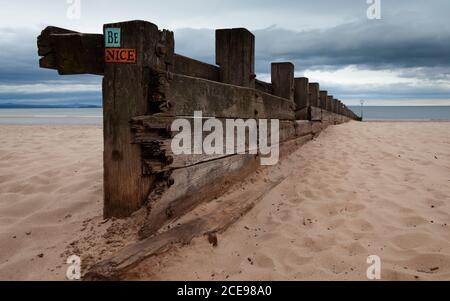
<point x="351" y="75"/>
<point x="48" y="87"/>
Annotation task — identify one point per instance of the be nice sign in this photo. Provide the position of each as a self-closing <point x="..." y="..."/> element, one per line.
<point x="113" y="51"/>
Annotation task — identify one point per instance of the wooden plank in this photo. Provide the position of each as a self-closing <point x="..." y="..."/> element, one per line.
<point x="188" y="187"/>
<point x="293" y="145"/>
<point x="303" y="128"/>
<point x="316" y="127"/>
<point x="190" y="67"/>
<point x="71" y="52"/>
<point x="183" y="95"/>
<point x="263" y="86"/>
<point x="235" y="54"/>
<point x="316" y="114"/>
<point x="303" y="114"/>
<point x="216" y="221"/>
<point x="155" y="136"/>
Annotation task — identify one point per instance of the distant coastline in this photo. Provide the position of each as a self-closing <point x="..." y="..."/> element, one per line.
<point x="37" y="106"/>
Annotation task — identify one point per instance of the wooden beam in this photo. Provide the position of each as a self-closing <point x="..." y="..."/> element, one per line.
<point x="181" y="95"/>
<point x="185" y="188"/>
<point x="215" y="221"/>
<point x="71" y="52"/>
<point x="190" y="67"/>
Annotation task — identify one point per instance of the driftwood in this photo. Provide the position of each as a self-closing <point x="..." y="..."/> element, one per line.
<point x="216" y="221"/>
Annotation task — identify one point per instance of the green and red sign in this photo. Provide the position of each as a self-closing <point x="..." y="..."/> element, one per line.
<point x="113" y="51"/>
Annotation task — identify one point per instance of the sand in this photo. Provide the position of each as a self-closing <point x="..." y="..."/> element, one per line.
<point x="359" y="189"/>
<point x="51" y="180"/>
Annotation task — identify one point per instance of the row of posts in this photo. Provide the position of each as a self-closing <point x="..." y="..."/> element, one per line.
<point x="235" y="54"/>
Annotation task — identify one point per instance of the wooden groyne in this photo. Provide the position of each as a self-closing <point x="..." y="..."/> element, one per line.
<point x="146" y="86"/>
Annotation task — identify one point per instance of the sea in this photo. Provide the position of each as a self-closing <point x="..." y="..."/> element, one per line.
<point x="66" y="116"/>
<point x="94" y="116"/>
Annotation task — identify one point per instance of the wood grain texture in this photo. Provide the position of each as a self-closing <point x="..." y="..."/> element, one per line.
<point x="235" y="54"/>
<point x="125" y="90"/>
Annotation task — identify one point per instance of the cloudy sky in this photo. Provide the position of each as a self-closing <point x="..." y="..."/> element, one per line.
<point x="402" y="59"/>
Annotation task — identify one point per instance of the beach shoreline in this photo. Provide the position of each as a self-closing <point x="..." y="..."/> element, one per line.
<point x="359" y="189"/>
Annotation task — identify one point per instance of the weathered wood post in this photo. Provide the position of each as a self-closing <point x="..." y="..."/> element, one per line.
<point x="235" y="54"/>
<point x="301" y="98"/>
<point x="340" y="108"/>
<point x="323" y="99"/>
<point x="329" y="101"/>
<point x="314" y="96"/>
<point x="138" y="49"/>
<point x="283" y="80"/>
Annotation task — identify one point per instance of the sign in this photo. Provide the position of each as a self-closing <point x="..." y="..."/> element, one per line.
<point x="112" y="38"/>
<point x="120" y="55"/>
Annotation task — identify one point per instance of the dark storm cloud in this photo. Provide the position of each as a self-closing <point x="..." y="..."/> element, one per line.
<point x="412" y="39"/>
<point x="369" y="44"/>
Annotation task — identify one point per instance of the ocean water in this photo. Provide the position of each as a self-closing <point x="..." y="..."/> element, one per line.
<point x="416" y="113"/>
<point x="95" y="116"/>
<point x="89" y="116"/>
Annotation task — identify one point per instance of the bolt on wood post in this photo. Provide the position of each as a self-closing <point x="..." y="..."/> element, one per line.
<point x="235" y="54"/>
<point x="283" y="80"/>
<point x="314" y="96"/>
<point x="125" y="95"/>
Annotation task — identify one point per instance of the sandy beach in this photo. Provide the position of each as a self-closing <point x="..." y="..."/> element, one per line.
<point x="359" y="189"/>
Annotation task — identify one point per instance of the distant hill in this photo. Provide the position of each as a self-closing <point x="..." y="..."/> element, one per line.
<point x="37" y="106"/>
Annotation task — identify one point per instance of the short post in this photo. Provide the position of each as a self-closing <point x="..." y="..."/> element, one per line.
<point x="235" y="54"/>
<point x="329" y="102"/>
<point x="283" y="80"/>
<point x="333" y="105"/>
<point x="301" y="97"/>
<point x="314" y="96"/>
<point x="323" y="99"/>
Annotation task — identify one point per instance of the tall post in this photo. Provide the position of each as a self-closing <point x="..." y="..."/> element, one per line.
<point x="131" y="50"/>
<point x="323" y="99"/>
<point x="235" y="54"/>
<point x="314" y="94"/>
<point x="283" y="80"/>
<point x="301" y="98"/>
